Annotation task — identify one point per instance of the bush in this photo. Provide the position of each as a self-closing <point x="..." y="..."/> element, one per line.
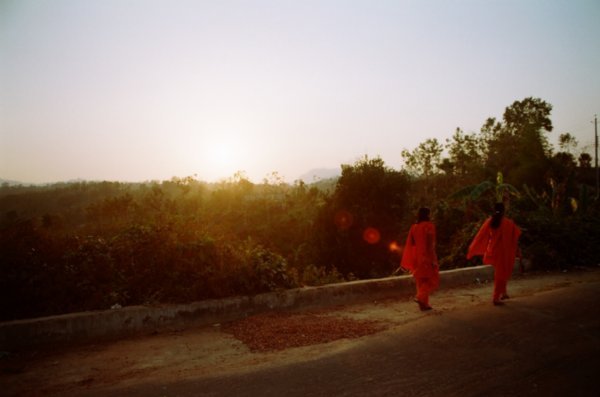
<point x="560" y="242"/>
<point x="314" y="276"/>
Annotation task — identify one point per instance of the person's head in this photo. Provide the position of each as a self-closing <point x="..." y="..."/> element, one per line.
<point x="497" y="215"/>
<point x="423" y="214"/>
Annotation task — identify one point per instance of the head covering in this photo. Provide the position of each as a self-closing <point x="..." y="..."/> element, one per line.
<point x="423" y="214"/>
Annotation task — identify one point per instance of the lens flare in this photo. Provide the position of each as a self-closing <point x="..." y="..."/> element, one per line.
<point x="343" y="219"/>
<point x="371" y="235"/>
<point x="395" y="247"/>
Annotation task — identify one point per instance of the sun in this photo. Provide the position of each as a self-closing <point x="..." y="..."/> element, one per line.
<point x="224" y="155"/>
<point x="217" y="151"/>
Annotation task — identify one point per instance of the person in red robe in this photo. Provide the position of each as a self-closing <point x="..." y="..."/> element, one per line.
<point x="497" y="241"/>
<point x="419" y="257"/>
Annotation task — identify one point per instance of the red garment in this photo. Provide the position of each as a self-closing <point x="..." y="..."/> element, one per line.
<point x="420" y="258"/>
<point x="499" y="248"/>
<point x="425" y="286"/>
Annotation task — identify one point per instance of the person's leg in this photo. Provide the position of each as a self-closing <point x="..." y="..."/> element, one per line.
<point x="504" y="294"/>
<point x="499" y="289"/>
<point x="508" y="269"/>
<point x="423" y="289"/>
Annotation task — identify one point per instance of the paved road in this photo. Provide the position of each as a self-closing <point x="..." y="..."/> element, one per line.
<point x="546" y="344"/>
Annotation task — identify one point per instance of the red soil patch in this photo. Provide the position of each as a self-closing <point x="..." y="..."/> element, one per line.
<point x="279" y="331"/>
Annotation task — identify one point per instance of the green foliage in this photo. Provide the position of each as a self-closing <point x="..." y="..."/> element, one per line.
<point x="424" y="161"/>
<point x="481" y="197"/>
<point x="453" y="235"/>
<point x="466" y="156"/>
<point x="552" y="242"/>
<point x="517" y="146"/>
<point x="175" y="241"/>
<point x="567" y="142"/>
<point x="264" y="270"/>
<point x="556" y="210"/>
<point x="528" y="115"/>
<point x="314" y="276"/>
<point x="369" y="196"/>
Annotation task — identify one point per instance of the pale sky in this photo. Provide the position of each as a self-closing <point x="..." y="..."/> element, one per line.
<point x="137" y="90"/>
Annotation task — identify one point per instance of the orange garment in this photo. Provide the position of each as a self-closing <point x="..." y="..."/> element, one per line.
<point x="420" y="258"/>
<point x="499" y="248"/>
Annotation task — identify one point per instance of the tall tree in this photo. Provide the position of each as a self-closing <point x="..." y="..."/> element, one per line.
<point x="362" y="217"/>
<point x="517" y="146"/>
<point x="567" y="142"/>
<point x="424" y="160"/>
<point x="466" y="154"/>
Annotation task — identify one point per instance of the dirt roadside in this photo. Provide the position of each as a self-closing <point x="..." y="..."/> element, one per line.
<point x="214" y="351"/>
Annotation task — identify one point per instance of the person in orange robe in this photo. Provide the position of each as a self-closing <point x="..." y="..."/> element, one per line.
<point x="497" y="240"/>
<point x="419" y="257"/>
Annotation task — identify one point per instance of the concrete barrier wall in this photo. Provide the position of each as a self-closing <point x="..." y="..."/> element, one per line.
<point x="127" y="321"/>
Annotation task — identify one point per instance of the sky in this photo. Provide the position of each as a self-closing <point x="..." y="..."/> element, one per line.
<point x="140" y="90"/>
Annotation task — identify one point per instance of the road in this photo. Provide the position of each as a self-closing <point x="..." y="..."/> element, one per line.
<point x="545" y="341"/>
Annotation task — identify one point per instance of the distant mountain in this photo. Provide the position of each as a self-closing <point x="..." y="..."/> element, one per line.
<point x="318" y="174"/>
<point x="10" y="182"/>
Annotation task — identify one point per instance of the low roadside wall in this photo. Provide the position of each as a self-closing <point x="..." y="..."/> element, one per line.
<point x="118" y="323"/>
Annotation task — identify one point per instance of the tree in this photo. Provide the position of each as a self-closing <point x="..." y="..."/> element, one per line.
<point x="585" y="160"/>
<point x="517" y="146"/>
<point x="362" y="218"/>
<point x="567" y="142"/>
<point x="466" y="153"/>
<point x="531" y="115"/>
<point x="423" y="161"/>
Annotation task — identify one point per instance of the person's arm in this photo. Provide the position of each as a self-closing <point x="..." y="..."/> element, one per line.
<point x="408" y="254"/>
<point x="480" y="241"/>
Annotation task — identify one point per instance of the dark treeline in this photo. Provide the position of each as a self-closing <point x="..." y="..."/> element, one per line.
<point x="90" y="245"/>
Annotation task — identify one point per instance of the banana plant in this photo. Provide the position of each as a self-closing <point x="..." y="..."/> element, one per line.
<point x="555" y="200"/>
<point x="473" y="193"/>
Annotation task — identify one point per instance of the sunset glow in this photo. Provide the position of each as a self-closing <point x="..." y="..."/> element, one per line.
<point x="225" y="156"/>
<point x="148" y="90"/>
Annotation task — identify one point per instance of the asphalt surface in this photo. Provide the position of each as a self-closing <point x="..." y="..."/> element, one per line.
<point x="542" y="344"/>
